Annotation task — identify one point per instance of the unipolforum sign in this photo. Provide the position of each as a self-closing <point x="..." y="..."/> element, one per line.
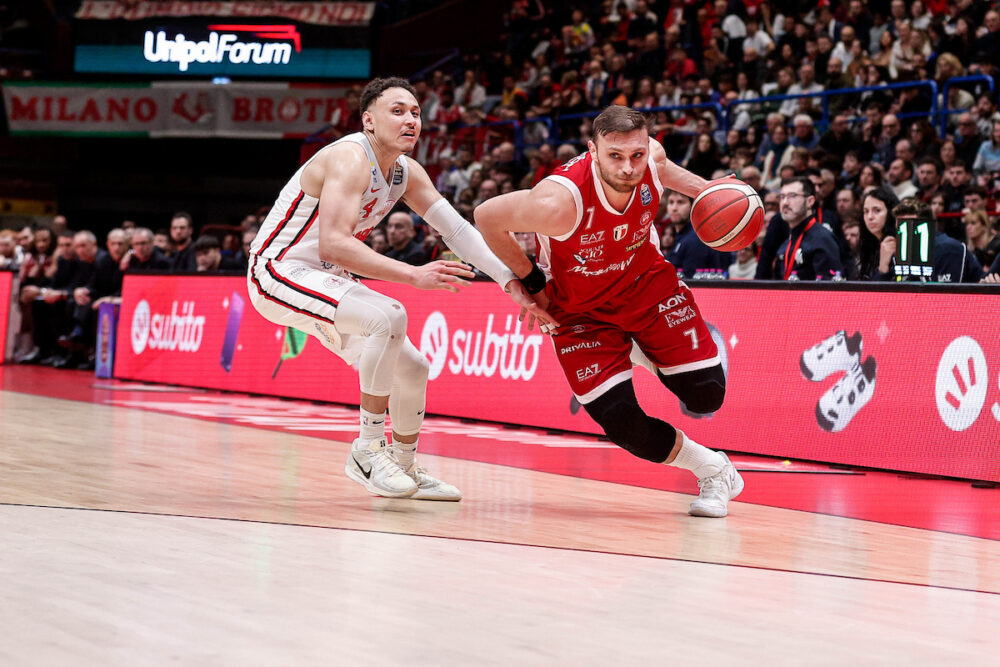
<point x="193" y="39"/>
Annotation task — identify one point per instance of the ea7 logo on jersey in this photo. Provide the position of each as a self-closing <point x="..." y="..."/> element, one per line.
<point x="680" y="316"/>
<point x="587" y="372"/>
<point x="589" y="239"/>
<point x="645" y="195"/>
<point x="673" y="302"/>
<point x="620" y="232"/>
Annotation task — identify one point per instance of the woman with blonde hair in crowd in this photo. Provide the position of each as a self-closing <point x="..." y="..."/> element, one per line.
<point x="980" y="237"/>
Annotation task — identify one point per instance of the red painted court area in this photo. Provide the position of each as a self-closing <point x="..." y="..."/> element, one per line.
<point x="953" y="506"/>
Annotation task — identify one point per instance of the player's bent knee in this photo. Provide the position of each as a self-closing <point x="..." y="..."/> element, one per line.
<point x="706" y="397"/>
<point x="388" y="321"/>
<point x="619" y="414"/>
<point x="413" y="365"/>
<point x="702" y="391"/>
<point x="396" y="316"/>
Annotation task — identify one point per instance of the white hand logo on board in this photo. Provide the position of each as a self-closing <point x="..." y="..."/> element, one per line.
<point x="434" y="343"/>
<point x="140" y="327"/>
<point x="960" y="389"/>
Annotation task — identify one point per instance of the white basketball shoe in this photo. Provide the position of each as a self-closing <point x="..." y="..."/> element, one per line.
<point x="839" y="352"/>
<point x="431" y="488"/>
<point x="374" y="467"/>
<point x="717" y="491"/>
<point x="837" y="407"/>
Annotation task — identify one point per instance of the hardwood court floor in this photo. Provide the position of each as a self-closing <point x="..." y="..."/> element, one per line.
<point x="140" y="536"/>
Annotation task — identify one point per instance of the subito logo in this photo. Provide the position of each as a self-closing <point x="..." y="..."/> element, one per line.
<point x="480" y="353"/>
<point x="961" y="383"/>
<point x="181" y="331"/>
<point x="140" y="327"/>
<point x="434" y="343"/>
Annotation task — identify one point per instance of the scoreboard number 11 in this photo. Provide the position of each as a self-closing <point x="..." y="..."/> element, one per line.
<point x="915" y="250"/>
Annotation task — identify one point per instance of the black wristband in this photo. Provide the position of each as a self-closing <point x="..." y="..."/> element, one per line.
<point x="534" y="282"/>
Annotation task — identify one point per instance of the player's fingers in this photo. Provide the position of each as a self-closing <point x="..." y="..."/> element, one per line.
<point x="451" y="278"/>
<point x="543" y="317"/>
<point x="454" y="265"/>
<point x="456" y="268"/>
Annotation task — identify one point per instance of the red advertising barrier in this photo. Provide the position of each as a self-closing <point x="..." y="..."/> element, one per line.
<point x="896" y="380"/>
<point x="6" y="303"/>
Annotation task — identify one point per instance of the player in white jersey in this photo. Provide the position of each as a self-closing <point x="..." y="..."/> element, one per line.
<point x="313" y="240"/>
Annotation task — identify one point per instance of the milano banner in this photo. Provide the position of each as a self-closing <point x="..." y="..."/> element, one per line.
<point x="896" y="380"/>
<point x="167" y="109"/>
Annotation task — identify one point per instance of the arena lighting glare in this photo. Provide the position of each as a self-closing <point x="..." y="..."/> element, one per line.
<point x="223" y="44"/>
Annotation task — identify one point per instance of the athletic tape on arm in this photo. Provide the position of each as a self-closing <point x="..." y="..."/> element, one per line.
<point x="466" y="241"/>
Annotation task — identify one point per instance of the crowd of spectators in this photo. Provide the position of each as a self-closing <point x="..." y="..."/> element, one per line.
<point x="568" y="64"/>
<point x="833" y="177"/>
<point x="65" y="276"/>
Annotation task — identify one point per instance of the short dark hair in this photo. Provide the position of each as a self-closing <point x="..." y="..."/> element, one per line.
<point x="185" y="215"/>
<point x="376" y="87"/>
<point x="206" y="242"/>
<point x="976" y="190"/>
<point x="959" y="163"/>
<point x="808" y="189"/>
<point x="938" y="165"/>
<point x="617" y="118"/>
<point x="911" y="207"/>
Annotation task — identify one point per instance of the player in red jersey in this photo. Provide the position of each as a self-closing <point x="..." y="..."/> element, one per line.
<point x="617" y="301"/>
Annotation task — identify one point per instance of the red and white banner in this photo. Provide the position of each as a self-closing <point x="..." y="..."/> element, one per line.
<point x="8" y="304"/>
<point x="169" y="109"/>
<point x="318" y="13"/>
<point x="901" y="381"/>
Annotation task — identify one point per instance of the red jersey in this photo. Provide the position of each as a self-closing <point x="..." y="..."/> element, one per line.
<point x="606" y="252"/>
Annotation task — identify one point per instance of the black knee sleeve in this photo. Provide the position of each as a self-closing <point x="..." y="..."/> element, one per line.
<point x="617" y="411"/>
<point x="701" y="391"/>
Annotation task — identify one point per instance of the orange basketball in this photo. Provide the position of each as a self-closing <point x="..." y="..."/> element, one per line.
<point x="727" y="215"/>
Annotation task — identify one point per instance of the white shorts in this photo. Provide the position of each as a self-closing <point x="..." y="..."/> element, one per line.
<point x="293" y="294"/>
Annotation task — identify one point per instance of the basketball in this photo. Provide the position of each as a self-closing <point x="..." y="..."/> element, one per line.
<point x="727" y="215"/>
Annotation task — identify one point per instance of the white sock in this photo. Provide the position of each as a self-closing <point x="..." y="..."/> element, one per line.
<point x="372" y="426"/>
<point x="405" y="453"/>
<point x="702" y="461"/>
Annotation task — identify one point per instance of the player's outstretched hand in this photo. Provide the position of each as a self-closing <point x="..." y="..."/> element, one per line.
<point x="442" y="274"/>
<point x="532" y="307"/>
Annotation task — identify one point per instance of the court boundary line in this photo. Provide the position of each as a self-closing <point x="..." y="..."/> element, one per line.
<point x="277" y="429"/>
<point x="485" y="541"/>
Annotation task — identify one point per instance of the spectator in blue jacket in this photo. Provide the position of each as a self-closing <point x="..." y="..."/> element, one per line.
<point x="810" y="252"/>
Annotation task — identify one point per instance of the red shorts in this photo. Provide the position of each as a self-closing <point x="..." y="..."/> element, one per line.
<point x="660" y="315"/>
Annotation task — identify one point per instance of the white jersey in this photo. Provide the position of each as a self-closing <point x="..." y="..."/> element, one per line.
<point x="290" y="231"/>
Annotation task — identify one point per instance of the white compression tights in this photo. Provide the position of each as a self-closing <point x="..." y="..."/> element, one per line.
<point x="389" y="363"/>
